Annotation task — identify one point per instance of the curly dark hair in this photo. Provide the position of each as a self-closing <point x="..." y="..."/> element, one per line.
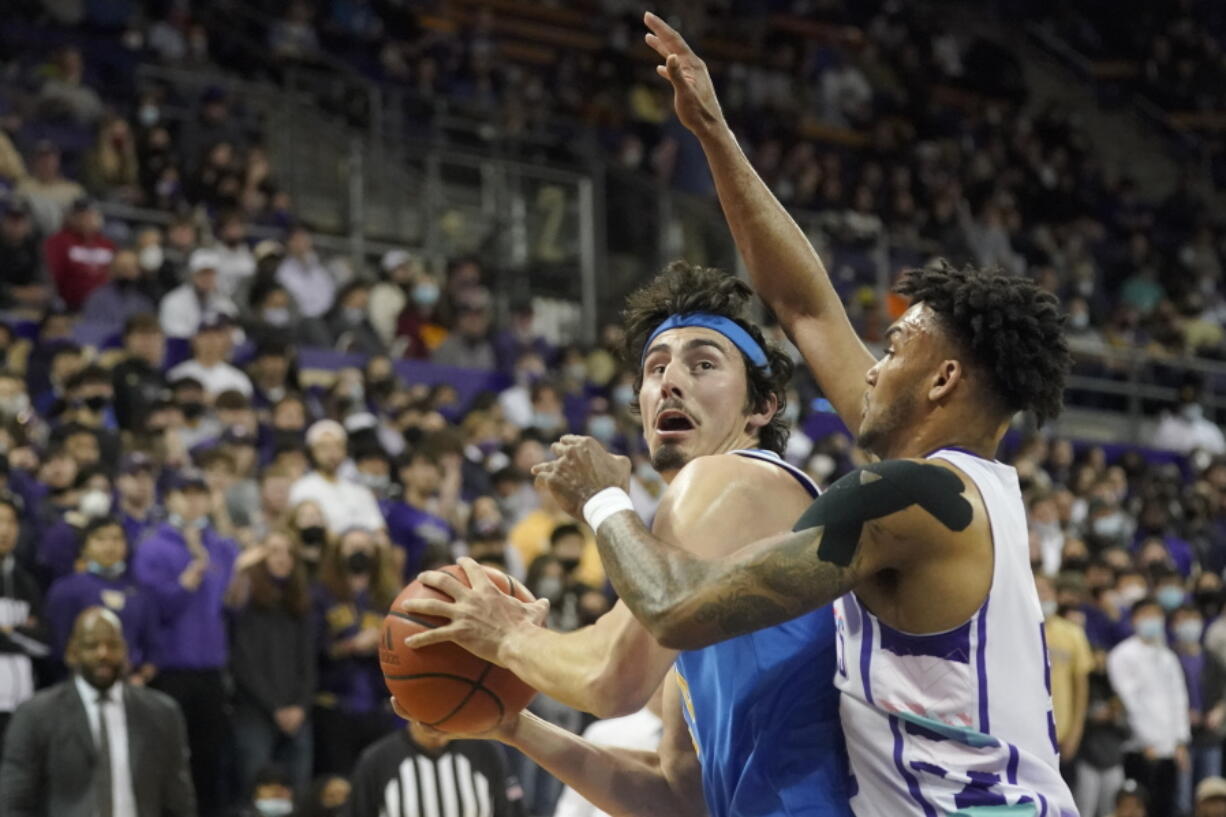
<point x="1012" y="329"/>
<point x="682" y="289"/>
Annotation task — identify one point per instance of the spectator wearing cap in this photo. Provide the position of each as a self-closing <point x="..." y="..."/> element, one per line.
<point x="103" y="580"/>
<point x="235" y="262"/>
<point x="46" y="190"/>
<point x="137" y="379"/>
<point x="469" y="346"/>
<point x="209" y="363"/>
<point x="345" y="503"/>
<point x="79" y="255"/>
<point x="306" y="278"/>
<point x="243" y="495"/>
<point x="1149" y="680"/>
<point x="349" y="321"/>
<point x="137" y="509"/>
<point x="191" y="304"/>
<point x="22" y="632"/>
<point x="390" y="295"/>
<point x="25" y="276"/>
<point x="126" y="294"/>
<point x="1211" y="798"/>
<point x="188" y="567"/>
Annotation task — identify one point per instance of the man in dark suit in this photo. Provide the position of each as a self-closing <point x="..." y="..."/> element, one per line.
<point x="95" y="746"/>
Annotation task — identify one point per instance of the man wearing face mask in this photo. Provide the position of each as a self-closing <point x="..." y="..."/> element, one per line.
<point x="1148" y="678"/>
<point x="188" y="567"/>
<point x="1071" y="663"/>
<point x="516" y="401"/>
<point x="186" y="307"/>
<point x="198" y="424"/>
<point x="22" y="633"/>
<point x="137" y="380"/>
<point x="235" y="263"/>
<point x="1185" y="428"/>
<point x="1206" y="685"/>
<point x="104" y="582"/>
<point x="349" y="322"/>
<point x="418" y="322"/>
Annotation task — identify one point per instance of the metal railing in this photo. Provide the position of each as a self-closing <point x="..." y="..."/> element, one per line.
<point x="586" y="236"/>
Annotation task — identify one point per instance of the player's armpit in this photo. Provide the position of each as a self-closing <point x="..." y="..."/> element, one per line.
<point x="869" y="521"/>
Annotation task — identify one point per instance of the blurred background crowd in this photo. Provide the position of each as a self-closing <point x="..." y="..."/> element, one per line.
<point x="244" y="429"/>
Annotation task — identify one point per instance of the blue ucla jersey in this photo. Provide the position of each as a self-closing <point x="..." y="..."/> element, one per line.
<point x="763" y="711"/>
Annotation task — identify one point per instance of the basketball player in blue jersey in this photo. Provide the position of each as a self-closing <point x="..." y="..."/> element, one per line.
<point x="763" y="738"/>
<point x="942" y="666"/>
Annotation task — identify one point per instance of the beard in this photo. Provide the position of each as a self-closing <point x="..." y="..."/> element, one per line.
<point x="892" y="418"/>
<point x="668" y="457"/>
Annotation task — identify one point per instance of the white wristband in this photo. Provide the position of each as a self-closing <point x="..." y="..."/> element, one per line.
<point x="606" y="503"/>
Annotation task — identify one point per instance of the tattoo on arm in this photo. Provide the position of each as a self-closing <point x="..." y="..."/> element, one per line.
<point x="687" y="602"/>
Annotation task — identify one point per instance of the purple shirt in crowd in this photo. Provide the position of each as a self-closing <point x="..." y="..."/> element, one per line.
<point x="353" y="683"/>
<point x="1193" y="671"/>
<point x="72" y="594"/>
<point x="191" y="627"/>
<point x="413" y="530"/>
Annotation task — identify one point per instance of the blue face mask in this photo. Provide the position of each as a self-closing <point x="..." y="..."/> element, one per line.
<point x="425" y="294"/>
<point x="1170" y="597"/>
<point x="113" y="572"/>
<point x="1151" y="629"/>
<point x="603" y="427"/>
<point x="1189" y="630"/>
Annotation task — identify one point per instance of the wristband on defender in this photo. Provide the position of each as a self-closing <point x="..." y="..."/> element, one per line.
<point x="603" y="505"/>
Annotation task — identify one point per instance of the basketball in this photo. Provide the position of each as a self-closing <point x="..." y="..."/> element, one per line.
<point x="444" y="685"/>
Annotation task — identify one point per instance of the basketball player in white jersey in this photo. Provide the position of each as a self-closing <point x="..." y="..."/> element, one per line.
<point x="945" y="699"/>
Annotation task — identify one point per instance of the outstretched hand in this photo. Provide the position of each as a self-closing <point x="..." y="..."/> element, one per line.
<point x="693" y="92"/>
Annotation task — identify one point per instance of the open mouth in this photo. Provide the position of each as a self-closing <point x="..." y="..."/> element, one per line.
<point x="673" y="422"/>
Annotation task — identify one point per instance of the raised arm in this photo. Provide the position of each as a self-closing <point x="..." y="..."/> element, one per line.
<point x="783" y="266"/>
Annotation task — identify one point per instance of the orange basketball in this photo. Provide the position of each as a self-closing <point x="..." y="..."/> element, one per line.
<point x="444" y="685"/>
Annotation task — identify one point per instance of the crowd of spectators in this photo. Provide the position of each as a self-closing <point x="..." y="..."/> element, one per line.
<point x="168" y="455"/>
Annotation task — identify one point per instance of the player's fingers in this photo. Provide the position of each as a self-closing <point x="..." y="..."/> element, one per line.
<point x="443" y="582"/>
<point x="662" y="71"/>
<point x="438" y="635"/>
<point x="430" y="607"/>
<point x="476" y="574"/>
<point x="674" y="70"/>
<point x="400" y="713"/>
<point x="654" y="43"/>
<point x="540" y="611"/>
<point x="667" y="34"/>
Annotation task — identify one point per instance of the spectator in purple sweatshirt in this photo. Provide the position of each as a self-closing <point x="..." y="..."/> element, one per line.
<point x="187" y="566"/>
<point x="138" y="510"/>
<point x="105" y="582"/>
<point x="357" y="583"/>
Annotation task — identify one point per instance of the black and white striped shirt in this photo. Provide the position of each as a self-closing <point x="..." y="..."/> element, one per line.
<point x="397" y="778"/>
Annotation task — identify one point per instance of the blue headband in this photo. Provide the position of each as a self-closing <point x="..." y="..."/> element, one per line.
<point x="717" y="323"/>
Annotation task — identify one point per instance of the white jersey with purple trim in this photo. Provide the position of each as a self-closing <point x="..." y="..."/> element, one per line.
<point x="960" y="722"/>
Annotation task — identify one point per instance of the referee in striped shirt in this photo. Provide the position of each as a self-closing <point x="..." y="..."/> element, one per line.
<point x="415" y="771"/>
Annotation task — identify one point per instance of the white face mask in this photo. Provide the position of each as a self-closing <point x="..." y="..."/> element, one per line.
<point x="274" y="806"/>
<point x="1049" y="608"/>
<point x="150" y="258"/>
<point x="95" y="504"/>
